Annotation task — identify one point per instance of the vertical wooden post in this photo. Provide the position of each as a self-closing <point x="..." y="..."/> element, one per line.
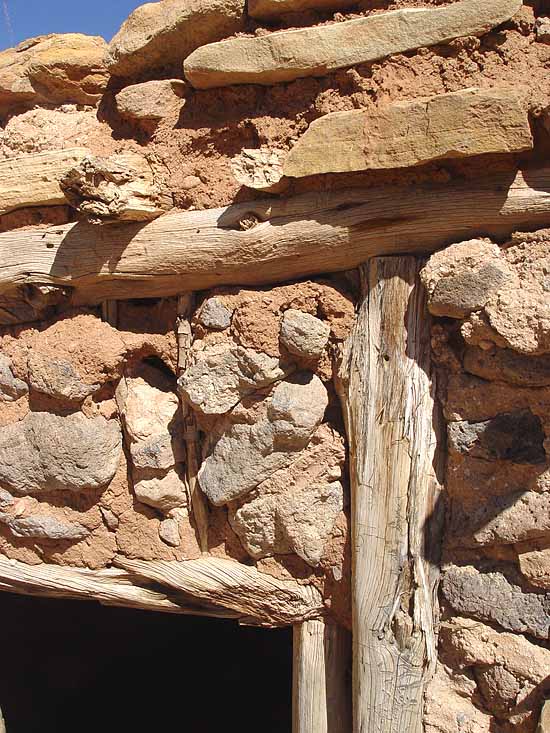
<point x="197" y="500"/>
<point x="387" y="393"/>
<point x="109" y="312"/>
<point x="321" y="696"/>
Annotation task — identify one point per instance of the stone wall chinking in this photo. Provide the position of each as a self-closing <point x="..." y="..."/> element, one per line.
<point x="281" y="105"/>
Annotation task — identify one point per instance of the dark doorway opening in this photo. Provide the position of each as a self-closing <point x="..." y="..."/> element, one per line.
<point x="77" y="666"/>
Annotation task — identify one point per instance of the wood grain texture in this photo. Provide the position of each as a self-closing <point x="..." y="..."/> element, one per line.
<point x="110" y="587"/>
<point x="388" y="397"/>
<point x="33" y="179"/>
<point x="321" y="694"/>
<point x="304" y="235"/>
<point x="257" y="598"/>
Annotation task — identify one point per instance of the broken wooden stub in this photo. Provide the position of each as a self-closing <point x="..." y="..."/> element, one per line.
<point x="197" y="500"/>
<point x="388" y="398"/>
<point x="321" y="693"/>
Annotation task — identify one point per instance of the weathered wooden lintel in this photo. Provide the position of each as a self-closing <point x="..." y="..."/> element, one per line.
<point x="208" y="586"/>
<point x="289" y="238"/>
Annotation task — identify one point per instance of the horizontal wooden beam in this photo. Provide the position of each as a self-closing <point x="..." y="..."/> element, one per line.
<point x="110" y="587"/>
<point x="269" y="240"/>
<point x="209" y="586"/>
<point x="256" y="597"/>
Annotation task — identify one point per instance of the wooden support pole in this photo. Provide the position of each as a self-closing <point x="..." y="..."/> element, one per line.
<point x="197" y="500"/>
<point x="321" y="694"/>
<point x="388" y="398"/>
<point x="109" y="312"/>
<point x="319" y="232"/>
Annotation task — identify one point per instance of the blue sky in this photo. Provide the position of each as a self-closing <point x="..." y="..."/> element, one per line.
<point x="20" y="19"/>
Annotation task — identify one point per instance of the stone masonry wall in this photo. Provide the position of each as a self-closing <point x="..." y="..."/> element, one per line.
<point x="198" y="104"/>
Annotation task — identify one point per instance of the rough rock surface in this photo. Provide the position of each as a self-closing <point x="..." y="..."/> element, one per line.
<point x="158" y="34"/>
<point x="96" y="351"/>
<point x="57" y="378"/>
<point x="295" y="509"/>
<point x="40" y="526"/>
<point x="289" y="55"/>
<point x="303" y="334"/>
<point x="214" y="315"/>
<point x="169" y="532"/>
<point x="544" y="720"/>
<point x="507" y="289"/>
<point x="462" y="277"/>
<point x="505" y="520"/>
<point x="11" y="388"/>
<point x="246" y="455"/>
<point x="151" y="100"/>
<point x="120" y="188"/>
<point x="460" y="124"/>
<point x="510" y="670"/>
<point x="516" y="436"/>
<point x="491" y="597"/>
<point x="257" y="316"/>
<point x="224" y="374"/>
<point x="259" y="169"/>
<point x="299" y="522"/>
<point x="534" y="564"/>
<point x="59" y="69"/>
<point x="42" y="129"/>
<point x="45" y="452"/>
<point x="506" y="365"/>
<point x="165" y="493"/>
<point x="450" y="704"/>
<point x="543" y="30"/>
<point x="150" y="419"/>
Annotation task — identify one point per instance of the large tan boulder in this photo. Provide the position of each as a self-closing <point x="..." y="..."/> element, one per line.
<point x="503" y="295"/>
<point x="224" y="374"/>
<point x="456" y="125"/>
<point x="162" y="33"/>
<point x="150" y="101"/>
<point x="295" y="509"/>
<point x="54" y="69"/>
<point x="292" y="54"/>
<point x="45" y="453"/>
<point x="150" y="420"/>
<point x="247" y="454"/>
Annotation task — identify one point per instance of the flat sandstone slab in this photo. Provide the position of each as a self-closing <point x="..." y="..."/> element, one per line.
<point x="161" y="33"/>
<point x="456" y="125"/>
<point x="288" y="55"/>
